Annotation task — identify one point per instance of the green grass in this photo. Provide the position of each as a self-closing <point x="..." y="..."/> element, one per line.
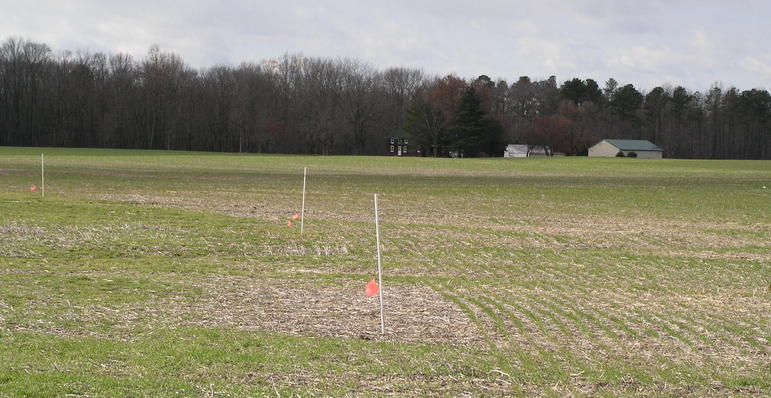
<point x="151" y="273"/>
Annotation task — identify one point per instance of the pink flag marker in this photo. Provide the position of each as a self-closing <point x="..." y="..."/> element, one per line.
<point x="33" y="188"/>
<point x="372" y="289"/>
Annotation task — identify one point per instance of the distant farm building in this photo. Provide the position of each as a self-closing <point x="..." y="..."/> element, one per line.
<point x="628" y="148"/>
<point x="527" y="151"/>
<point x="397" y="146"/>
<point x="515" y="151"/>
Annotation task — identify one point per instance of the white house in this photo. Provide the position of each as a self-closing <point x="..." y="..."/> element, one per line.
<point x="630" y="148"/>
<point x="527" y="151"/>
<point x="515" y="151"/>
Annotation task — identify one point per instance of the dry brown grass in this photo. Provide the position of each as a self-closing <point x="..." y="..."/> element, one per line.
<point x="413" y="313"/>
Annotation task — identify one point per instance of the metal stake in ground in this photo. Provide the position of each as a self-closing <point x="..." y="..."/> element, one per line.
<point x="302" y="210"/>
<point x="42" y="175"/>
<point x="379" y="273"/>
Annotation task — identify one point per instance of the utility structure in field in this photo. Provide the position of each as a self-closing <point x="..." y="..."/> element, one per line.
<point x="609" y="148"/>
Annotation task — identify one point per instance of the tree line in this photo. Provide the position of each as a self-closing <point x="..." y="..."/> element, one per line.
<point x="308" y="105"/>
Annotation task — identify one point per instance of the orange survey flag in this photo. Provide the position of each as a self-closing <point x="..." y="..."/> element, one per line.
<point x="296" y="216"/>
<point x="33" y="188"/>
<point x="372" y="289"/>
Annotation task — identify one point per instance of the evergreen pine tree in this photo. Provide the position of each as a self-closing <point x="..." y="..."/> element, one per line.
<point x="472" y="132"/>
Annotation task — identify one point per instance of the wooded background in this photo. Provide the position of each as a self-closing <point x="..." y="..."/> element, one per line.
<point x="305" y="105"/>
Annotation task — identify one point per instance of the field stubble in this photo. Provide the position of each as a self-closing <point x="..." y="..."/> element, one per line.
<point x="605" y="281"/>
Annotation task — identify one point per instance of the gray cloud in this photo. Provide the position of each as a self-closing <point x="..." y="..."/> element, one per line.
<point x="648" y="43"/>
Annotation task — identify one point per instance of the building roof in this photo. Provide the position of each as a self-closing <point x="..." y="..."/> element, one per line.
<point x="516" y="147"/>
<point x="633" y="145"/>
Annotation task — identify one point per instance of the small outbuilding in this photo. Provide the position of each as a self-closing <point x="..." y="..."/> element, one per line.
<point x="515" y="151"/>
<point x="528" y="151"/>
<point x="609" y="148"/>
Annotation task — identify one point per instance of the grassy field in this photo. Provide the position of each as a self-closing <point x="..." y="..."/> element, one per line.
<point x="146" y="273"/>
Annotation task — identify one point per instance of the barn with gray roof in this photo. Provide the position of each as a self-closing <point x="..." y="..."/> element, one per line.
<point x="609" y="148"/>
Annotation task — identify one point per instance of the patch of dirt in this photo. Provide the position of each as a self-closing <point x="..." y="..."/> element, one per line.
<point x="272" y="212"/>
<point x="413" y="313"/>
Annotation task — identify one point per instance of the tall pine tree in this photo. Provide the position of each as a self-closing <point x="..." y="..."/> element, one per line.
<point x="473" y="132"/>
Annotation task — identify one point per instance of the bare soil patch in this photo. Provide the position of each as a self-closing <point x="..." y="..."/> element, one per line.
<point x="413" y="313"/>
<point x="274" y="211"/>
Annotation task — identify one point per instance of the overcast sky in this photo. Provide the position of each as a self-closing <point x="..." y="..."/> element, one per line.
<point x="644" y="42"/>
